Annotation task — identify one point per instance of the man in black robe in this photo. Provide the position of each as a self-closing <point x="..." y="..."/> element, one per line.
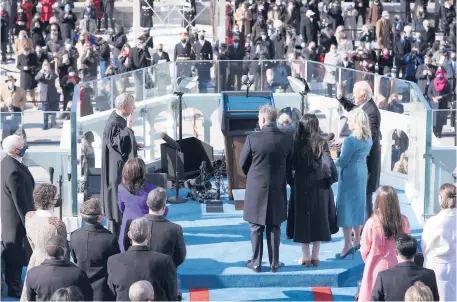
<point x="119" y="145"/>
<point x="17" y="186"/>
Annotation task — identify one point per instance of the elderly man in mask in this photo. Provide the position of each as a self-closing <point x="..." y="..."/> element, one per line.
<point x="12" y="100"/>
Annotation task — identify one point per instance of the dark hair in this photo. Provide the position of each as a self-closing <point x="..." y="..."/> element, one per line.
<point x="56" y="246"/>
<point x="388" y="211"/>
<point x="71" y="293"/>
<point x="90" y="210"/>
<point x="406" y="245"/>
<point x="44" y="196"/>
<point x="133" y="175"/>
<point x="157" y="199"/>
<point x="308" y="139"/>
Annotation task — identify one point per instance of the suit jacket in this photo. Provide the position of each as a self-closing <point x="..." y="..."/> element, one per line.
<point x="401" y="50"/>
<point x="374" y="158"/>
<point x="167" y="237"/>
<point x="203" y="52"/>
<point x="266" y="160"/>
<point x="139" y="263"/>
<point x="184" y="52"/>
<point x="156" y="58"/>
<point x="17" y="186"/>
<point x="236" y="54"/>
<point x="91" y="246"/>
<point x="391" y="284"/>
<point x="43" y="280"/>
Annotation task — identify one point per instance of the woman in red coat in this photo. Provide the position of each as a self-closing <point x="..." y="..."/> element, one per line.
<point x="27" y="6"/>
<point x="47" y="11"/>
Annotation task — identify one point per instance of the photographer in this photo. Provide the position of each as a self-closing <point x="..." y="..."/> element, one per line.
<point x="118" y="40"/>
<point x="105" y="55"/>
<point x="89" y="63"/>
<point x="412" y="60"/>
<point x="68" y="23"/>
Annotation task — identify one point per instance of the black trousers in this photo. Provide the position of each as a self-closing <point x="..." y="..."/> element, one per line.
<point x="273" y="241"/>
<point x="12" y="262"/>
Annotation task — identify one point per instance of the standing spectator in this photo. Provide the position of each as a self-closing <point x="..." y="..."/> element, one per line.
<point x="446" y="16"/>
<point x="27" y="63"/>
<point x="375" y="12"/>
<point x="89" y="63"/>
<point x="367" y="35"/>
<point x="266" y="208"/>
<point x="385" y="60"/>
<point x="47" y="10"/>
<point x="91" y="246"/>
<point x="21" y="43"/>
<point x="21" y="21"/>
<point x="418" y="18"/>
<point x="41" y="57"/>
<point x="168" y="236"/>
<point x="235" y="54"/>
<point x="311" y="213"/>
<point x="243" y="18"/>
<point x="438" y="243"/>
<point x="402" y="48"/>
<point x="405" y="11"/>
<point x="41" y="226"/>
<point x="4" y="30"/>
<point x="279" y="45"/>
<point x="412" y="60"/>
<point x="17" y="187"/>
<point x="48" y="96"/>
<point x="345" y="46"/>
<point x="378" y="238"/>
<point x="56" y="272"/>
<point x="12" y="103"/>
<point x="334" y="14"/>
<point x="428" y="33"/>
<point x="53" y="24"/>
<point x="27" y="6"/>
<point x="87" y="23"/>
<point x="132" y="194"/>
<point x="425" y="74"/>
<point x="68" y="84"/>
<point x="105" y="56"/>
<point x="361" y="6"/>
<point x="68" y="23"/>
<point x="63" y="63"/>
<point x="332" y="59"/>
<point x="350" y="198"/>
<point x="203" y="52"/>
<point x="363" y="98"/>
<point x="309" y="28"/>
<point x="108" y="14"/>
<point x="119" y="39"/>
<point x="291" y="16"/>
<point x="37" y="32"/>
<point x="97" y="5"/>
<point x="140" y="263"/>
<point x="383" y="31"/>
<point x="439" y="93"/>
<point x="350" y="23"/>
<point x="391" y="284"/>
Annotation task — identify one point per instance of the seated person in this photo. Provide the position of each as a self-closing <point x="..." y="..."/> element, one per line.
<point x="391" y="284"/>
<point x="275" y="80"/>
<point x="54" y="273"/>
<point x="91" y="246"/>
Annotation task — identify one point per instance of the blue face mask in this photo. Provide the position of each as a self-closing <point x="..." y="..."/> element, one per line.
<point x="22" y="151"/>
<point x="88" y="9"/>
<point x="235" y="45"/>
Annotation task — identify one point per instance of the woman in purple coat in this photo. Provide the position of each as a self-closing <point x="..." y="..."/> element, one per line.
<point x="132" y="194"/>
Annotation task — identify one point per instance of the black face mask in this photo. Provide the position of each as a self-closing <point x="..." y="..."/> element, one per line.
<point x="183" y="40"/>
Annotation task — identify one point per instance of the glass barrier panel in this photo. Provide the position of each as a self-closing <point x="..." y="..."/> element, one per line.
<point x="315" y="72"/>
<point x="162" y="75"/>
<point x="443" y="123"/>
<point x="87" y="96"/>
<point x="10" y="123"/>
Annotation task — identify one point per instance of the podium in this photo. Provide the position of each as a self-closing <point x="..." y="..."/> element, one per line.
<point x="239" y="118"/>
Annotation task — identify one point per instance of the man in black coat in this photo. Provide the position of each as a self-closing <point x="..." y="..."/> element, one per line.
<point x="91" y="246"/>
<point x="363" y="97"/>
<point x="402" y="48"/>
<point x="16" y="200"/>
<point x="183" y="52"/>
<point x="266" y="160"/>
<point x="203" y="52"/>
<point x="235" y="53"/>
<point x="309" y="28"/>
<point x="160" y="56"/>
<point x="140" y="263"/>
<point x="167" y="237"/>
<point x="4" y="29"/>
<point x="108" y="13"/>
<point x="391" y="284"/>
<point x="119" y="145"/>
<point x="54" y="273"/>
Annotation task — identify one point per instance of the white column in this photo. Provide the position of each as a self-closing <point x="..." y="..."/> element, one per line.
<point x="221" y="26"/>
<point x="136" y="18"/>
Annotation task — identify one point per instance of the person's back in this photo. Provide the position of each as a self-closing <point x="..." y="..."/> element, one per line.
<point x="91" y="246"/>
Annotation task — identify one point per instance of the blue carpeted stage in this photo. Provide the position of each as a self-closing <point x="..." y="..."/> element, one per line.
<point x="218" y="246"/>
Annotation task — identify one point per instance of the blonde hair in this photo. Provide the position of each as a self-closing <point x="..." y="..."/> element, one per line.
<point x="447" y="194"/>
<point x="361" y="123"/>
<point x="419" y="292"/>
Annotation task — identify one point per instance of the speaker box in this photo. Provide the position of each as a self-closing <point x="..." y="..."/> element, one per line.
<point x="193" y="152"/>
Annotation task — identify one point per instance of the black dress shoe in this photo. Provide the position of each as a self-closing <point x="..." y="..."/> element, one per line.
<point x="14" y="289"/>
<point x="275" y="268"/>
<point x="256" y="269"/>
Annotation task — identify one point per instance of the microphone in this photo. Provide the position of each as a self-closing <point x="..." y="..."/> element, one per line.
<point x="170" y="141"/>
<point x="51" y="174"/>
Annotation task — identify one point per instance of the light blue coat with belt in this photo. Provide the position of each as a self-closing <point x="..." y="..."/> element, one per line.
<point x="352" y="181"/>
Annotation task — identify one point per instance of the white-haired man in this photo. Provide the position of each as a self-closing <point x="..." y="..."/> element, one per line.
<point x="363" y="98"/>
<point x="141" y="291"/>
<point x="266" y="160"/>
<point x="17" y="186"/>
<point x="119" y="145"/>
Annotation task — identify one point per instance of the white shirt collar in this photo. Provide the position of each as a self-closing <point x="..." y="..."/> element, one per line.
<point x="45" y="213"/>
<point x="18" y="158"/>
<point x="118" y="113"/>
<point x="363" y="104"/>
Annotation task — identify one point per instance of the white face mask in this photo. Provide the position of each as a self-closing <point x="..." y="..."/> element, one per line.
<point x="71" y="74"/>
<point x="10" y="85"/>
<point x="67" y="47"/>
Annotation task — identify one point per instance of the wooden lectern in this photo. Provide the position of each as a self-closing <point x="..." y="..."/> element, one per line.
<point x="239" y="118"/>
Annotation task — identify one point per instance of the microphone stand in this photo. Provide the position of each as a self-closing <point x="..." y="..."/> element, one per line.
<point x="60" y="182"/>
<point x="178" y="199"/>
<point x="248" y="84"/>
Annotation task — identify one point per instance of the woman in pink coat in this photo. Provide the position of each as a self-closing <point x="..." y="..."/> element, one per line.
<point x="378" y="238"/>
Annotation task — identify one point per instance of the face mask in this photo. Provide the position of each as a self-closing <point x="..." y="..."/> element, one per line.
<point x="160" y="50"/>
<point x="67" y="9"/>
<point x="333" y="50"/>
<point x="86" y="17"/>
<point x="21" y="152"/>
<point x="22" y="37"/>
<point x="67" y="47"/>
<point x="71" y="74"/>
<point x="88" y="9"/>
<point x="183" y="40"/>
<point x="202" y="38"/>
<point x="237" y="30"/>
<point x="235" y="44"/>
<point x="264" y="37"/>
<point x="250" y="1"/>
<point x="10" y="85"/>
<point x="386" y="52"/>
<point x="20" y="10"/>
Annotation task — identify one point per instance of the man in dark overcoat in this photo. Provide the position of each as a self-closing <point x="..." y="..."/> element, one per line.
<point x="118" y="146"/>
<point x="266" y="160"/>
<point x="363" y="98"/>
<point x="203" y="52"/>
<point x="16" y="200"/>
<point x="91" y="246"/>
<point x="183" y="52"/>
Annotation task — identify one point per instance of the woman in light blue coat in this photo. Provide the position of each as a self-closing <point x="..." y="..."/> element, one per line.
<point x="352" y="180"/>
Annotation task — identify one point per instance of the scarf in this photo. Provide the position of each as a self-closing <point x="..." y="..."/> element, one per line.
<point x="439" y="83"/>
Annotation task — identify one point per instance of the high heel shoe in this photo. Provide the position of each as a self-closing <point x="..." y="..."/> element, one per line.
<point x="356" y="247"/>
<point x="315" y="262"/>
<point x="306" y="263"/>
<point x="351" y="251"/>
